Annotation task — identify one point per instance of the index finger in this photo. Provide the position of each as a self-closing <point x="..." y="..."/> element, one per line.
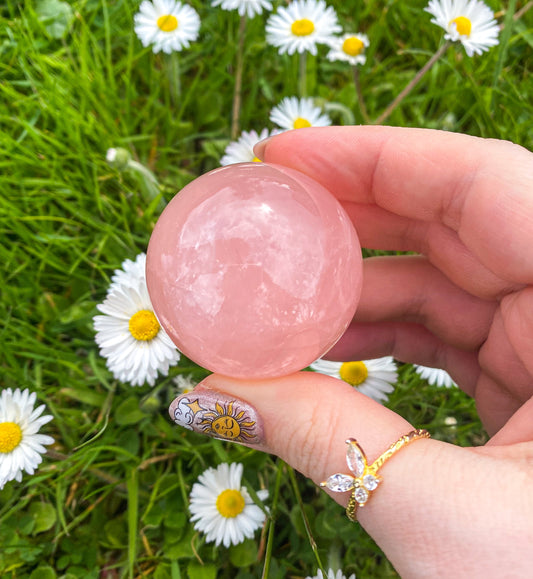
<point x="480" y="189"/>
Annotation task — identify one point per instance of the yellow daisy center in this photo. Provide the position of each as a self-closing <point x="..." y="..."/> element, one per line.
<point x="355" y="373"/>
<point x="303" y="27"/>
<point x="301" y="123"/>
<point x="463" y="25"/>
<point x="167" y="23"/>
<point x="144" y="326"/>
<point x="353" y="46"/>
<point x="230" y="503"/>
<point x="256" y="160"/>
<point x="10" y="436"/>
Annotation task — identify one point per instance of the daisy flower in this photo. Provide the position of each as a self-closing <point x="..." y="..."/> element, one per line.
<point x="242" y="150"/>
<point x="450" y="422"/>
<point x="168" y="25"/>
<point x="302" y="25"/>
<point x="434" y="376"/>
<point x="248" y="7"/>
<point x="184" y="384"/>
<point x="222" y="508"/>
<point x="375" y="378"/>
<point x="331" y="575"/>
<point x="130" y="337"/>
<point x="349" y="48"/>
<point x="131" y="274"/>
<point x="294" y="113"/>
<point x="471" y="22"/>
<point x="21" y="446"/>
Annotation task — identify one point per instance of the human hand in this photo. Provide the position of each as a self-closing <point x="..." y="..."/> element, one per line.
<point x="464" y="303"/>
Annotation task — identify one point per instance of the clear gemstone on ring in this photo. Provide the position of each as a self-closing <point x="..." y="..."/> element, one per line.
<point x="340" y="483"/>
<point x="355" y="458"/>
<point x="370" y="482"/>
<point x="361" y="495"/>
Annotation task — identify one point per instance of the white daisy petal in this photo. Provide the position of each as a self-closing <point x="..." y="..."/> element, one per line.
<point x="21" y="446"/>
<point x="301" y="25"/>
<point x="245" y="7"/>
<point x="374" y="378"/>
<point x="167" y="25"/>
<point x="242" y="150"/>
<point x="435" y="376"/>
<point x="129" y="335"/>
<point x="294" y="113"/>
<point x="131" y="272"/>
<point x="184" y="384"/>
<point x="470" y="22"/>
<point x="222" y="509"/>
<point x="331" y="575"/>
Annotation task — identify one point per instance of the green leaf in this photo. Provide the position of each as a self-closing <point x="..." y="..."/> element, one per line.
<point x="182" y="549"/>
<point x="56" y="16"/>
<point x="6" y="494"/>
<point x="128" y="440"/>
<point x="199" y="571"/>
<point x="63" y="562"/>
<point x="128" y="412"/>
<point x="89" y="397"/>
<point x="215" y="147"/>
<point x="243" y="554"/>
<point x="43" y="573"/>
<point x="116" y="533"/>
<point x="44" y="515"/>
<point x="175" y="519"/>
<point x="162" y="572"/>
<point x="326" y="525"/>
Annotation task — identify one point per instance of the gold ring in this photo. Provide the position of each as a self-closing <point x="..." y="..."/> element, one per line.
<point x="366" y="478"/>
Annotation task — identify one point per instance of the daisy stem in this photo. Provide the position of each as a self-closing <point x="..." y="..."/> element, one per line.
<point x="237" y="91"/>
<point x="132" y="483"/>
<point x="302" y="75"/>
<point x="174" y="78"/>
<point x="359" y="91"/>
<point x="310" y="537"/>
<point x="272" y="520"/>
<point x="411" y="85"/>
<point x="505" y="37"/>
<point x="148" y="181"/>
<point x="146" y="173"/>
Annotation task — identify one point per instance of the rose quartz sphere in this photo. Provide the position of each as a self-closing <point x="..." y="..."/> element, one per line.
<point x="254" y="270"/>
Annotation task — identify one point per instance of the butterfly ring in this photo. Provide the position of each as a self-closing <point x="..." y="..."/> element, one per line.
<point x="365" y="478"/>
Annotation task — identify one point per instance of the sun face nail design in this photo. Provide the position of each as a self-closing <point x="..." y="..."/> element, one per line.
<point x="217" y="415"/>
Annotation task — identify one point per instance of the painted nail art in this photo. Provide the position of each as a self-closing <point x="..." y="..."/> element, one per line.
<point x="217" y="415"/>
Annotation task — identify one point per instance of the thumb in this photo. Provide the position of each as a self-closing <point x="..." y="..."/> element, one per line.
<point x="305" y="419"/>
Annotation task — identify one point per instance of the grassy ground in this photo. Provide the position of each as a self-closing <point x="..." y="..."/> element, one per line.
<point x="110" y="500"/>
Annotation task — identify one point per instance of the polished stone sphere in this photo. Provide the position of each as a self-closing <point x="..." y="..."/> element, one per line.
<point x="254" y="270"/>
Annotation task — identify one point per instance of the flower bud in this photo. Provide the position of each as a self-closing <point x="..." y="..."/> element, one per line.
<point x="118" y="158"/>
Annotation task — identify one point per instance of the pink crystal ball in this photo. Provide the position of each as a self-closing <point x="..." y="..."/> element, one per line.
<point x="254" y="270"/>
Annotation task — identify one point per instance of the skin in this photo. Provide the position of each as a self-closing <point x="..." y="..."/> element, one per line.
<point x="463" y="303"/>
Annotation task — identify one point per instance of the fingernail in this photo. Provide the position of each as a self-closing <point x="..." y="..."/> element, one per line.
<point x="218" y="415"/>
<point x="259" y="148"/>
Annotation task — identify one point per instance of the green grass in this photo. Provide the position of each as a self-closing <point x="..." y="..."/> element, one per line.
<point x="110" y="500"/>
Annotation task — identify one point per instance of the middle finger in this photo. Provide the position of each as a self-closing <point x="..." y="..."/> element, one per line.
<point x="411" y="289"/>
